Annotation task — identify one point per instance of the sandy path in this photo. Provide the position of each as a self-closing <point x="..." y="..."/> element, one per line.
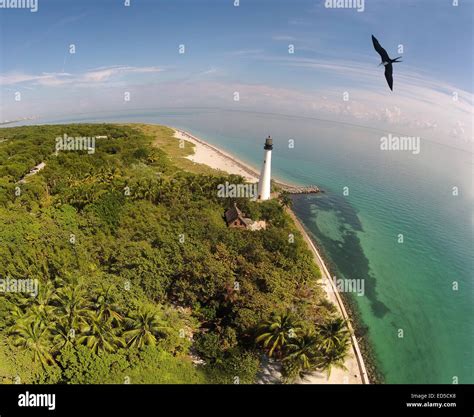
<point x="33" y="171"/>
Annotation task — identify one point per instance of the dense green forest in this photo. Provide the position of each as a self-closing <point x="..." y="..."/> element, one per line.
<point x="140" y="280"/>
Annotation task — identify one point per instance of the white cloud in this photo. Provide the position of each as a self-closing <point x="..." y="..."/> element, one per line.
<point x="418" y="106"/>
<point x="93" y="76"/>
<point x="418" y="101"/>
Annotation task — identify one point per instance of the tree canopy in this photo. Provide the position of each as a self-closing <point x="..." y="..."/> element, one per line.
<point x="137" y="270"/>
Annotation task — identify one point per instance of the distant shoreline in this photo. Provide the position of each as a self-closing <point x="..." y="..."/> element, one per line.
<point x="222" y="160"/>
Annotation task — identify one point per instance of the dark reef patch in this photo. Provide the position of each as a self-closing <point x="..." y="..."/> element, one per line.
<point x="345" y="259"/>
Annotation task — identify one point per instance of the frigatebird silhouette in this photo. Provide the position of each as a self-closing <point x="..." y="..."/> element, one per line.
<point x="386" y="61"/>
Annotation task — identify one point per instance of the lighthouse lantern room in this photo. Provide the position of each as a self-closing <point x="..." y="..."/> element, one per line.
<point x="265" y="175"/>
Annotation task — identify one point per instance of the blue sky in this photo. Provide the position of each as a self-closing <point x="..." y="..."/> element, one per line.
<point x="242" y="49"/>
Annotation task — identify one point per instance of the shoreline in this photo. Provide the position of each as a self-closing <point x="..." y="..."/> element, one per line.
<point x="356" y="369"/>
<point x="360" y="329"/>
<point x="215" y="158"/>
<point x="366" y="349"/>
<point x="249" y="172"/>
<point x="337" y="298"/>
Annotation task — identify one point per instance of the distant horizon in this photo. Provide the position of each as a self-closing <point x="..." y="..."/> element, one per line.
<point x="300" y="58"/>
<point x="70" y="118"/>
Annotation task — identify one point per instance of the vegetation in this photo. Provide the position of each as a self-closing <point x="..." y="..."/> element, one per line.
<point x="276" y="333"/>
<point x="285" y="199"/>
<point x="138" y="273"/>
<point x="304" y="347"/>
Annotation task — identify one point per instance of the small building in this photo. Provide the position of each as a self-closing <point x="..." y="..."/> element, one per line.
<point x="236" y="219"/>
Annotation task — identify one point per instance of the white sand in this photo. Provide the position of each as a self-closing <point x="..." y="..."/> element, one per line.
<point x="204" y="153"/>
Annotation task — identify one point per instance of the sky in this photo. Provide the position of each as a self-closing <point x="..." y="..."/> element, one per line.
<point x="128" y="57"/>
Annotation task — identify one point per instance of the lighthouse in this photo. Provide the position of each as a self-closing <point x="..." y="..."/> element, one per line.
<point x="265" y="175"/>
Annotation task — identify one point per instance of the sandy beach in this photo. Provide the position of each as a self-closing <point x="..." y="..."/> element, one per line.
<point x="355" y="372"/>
<point x="209" y="155"/>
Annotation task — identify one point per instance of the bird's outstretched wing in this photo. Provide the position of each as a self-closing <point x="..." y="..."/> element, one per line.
<point x="382" y="52"/>
<point x="389" y="75"/>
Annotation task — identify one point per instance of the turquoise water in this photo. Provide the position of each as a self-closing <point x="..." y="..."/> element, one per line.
<point x="409" y="285"/>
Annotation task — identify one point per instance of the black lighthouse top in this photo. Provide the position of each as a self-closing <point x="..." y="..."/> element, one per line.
<point x="268" y="143"/>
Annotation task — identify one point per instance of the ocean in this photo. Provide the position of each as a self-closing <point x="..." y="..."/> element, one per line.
<point x="401" y="222"/>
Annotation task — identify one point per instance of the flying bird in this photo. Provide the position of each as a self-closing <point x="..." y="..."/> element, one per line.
<point x="386" y="61"/>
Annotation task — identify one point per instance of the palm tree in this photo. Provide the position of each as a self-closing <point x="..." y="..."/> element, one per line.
<point x="275" y="334"/>
<point x="63" y="336"/>
<point x="100" y="335"/>
<point x="333" y="333"/>
<point x="144" y="328"/>
<point x="18" y="301"/>
<point x="71" y="306"/>
<point x="40" y="308"/>
<point x="15" y="313"/>
<point x="334" y="343"/>
<point x="103" y="303"/>
<point x="334" y="357"/>
<point x="33" y="335"/>
<point x="41" y="313"/>
<point x="303" y="352"/>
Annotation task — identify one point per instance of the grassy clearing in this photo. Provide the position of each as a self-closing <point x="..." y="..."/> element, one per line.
<point x="163" y="138"/>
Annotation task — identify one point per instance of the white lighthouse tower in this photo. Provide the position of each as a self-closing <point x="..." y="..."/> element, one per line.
<point x="265" y="174"/>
